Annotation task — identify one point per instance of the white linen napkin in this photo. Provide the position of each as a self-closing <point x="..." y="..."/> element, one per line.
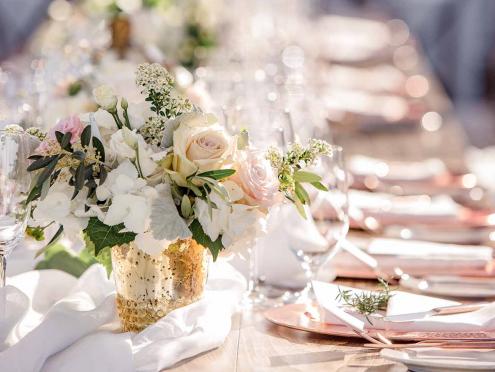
<point x="405" y="303"/>
<point x="398" y="171"/>
<point x="418" y="257"/>
<point x="55" y="322"/>
<point x="421" y="205"/>
<point x="277" y="263"/>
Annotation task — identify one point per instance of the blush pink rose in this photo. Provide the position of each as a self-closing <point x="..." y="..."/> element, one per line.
<point x="70" y="124"/>
<point x="257" y="179"/>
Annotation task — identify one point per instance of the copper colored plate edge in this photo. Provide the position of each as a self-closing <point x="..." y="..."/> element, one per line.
<point x="291" y="316"/>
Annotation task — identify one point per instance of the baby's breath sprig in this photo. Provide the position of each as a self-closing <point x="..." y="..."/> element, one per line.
<point x="158" y="87"/>
<point x="367" y="303"/>
<point x="291" y="170"/>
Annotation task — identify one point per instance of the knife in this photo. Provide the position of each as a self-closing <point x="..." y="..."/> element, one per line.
<point x="446" y="310"/>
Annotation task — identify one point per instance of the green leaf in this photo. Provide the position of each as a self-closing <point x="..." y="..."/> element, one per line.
<point x="305" y="176"/>
<point x="59" y="136"/>
<point x="99" y="148"/>
<point x="65" y="142"/>
<point x="86" y="135"/>
<point x="52" y="241"/>
<point x="195" y="189"/>
<point x="185" y="206"/>
<point x="34" y="194"/>
<point x="319" y="186"/>
<point x="104" y="257"/>
<point x="103" y="175"/>
<point x="103" y="236"/>
<point x="79" y="155"/>
<point x="300" y="208"/>
<point x="79" y="179"/>
<point x="302" y="194"/>
<point x="200" y="236"/>
<point x="41" y="163"/>
<point x="64" y="261"/>
<point x="46" y="173"/>
<point x="217" y="174"/>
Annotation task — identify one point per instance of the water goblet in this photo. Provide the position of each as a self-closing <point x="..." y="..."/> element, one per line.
<point x="15" y="148"/>
<point x="329" y="210"/>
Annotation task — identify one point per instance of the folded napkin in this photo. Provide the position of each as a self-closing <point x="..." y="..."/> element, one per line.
<point x="277" y="264"/>
<point x="421" y="205"/>
<point x="54" y="322"/>
<point x="481" y="162"/>
<point x="360" y="165"/>
<point x="417" y="258"/>
<point x="336" y="312"/>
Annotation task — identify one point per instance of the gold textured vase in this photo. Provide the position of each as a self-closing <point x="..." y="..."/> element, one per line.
<point x="148" y="287"/>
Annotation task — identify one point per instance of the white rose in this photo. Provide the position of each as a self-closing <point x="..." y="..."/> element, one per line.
<point x="199" y="145"/>
<point x="105" y="97"/>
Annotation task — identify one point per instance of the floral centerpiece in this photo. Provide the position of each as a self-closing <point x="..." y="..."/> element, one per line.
<point x="156" y="185"/>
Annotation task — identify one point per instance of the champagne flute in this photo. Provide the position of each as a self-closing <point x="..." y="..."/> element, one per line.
<point x="329" y="210"/>
<point x="15" y="147"/>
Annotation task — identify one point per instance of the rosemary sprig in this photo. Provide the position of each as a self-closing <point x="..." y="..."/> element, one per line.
<point x="367" y="303"/>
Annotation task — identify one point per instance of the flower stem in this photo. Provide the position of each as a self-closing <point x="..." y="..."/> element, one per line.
<point x="115" y="116"/>
<point x="126" y="117"/>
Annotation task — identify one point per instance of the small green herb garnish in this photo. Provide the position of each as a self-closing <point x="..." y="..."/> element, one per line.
<point x="367" y="303"/>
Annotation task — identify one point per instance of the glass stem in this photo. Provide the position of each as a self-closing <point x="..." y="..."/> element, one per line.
<point x="3" y="270"/>
<point x="253" y="271"/>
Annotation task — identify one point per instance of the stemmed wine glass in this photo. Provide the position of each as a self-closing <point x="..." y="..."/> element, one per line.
<point x="329" y="210"/>
<point x="15" y="147"/>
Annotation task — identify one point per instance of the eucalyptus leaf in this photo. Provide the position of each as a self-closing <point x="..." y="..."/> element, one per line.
<point x="47" y="171"/>
<point x="41" y="163"/>
<point x="52" y="241"/>
<point x="99" y="148"/>
<point x="65" y="142"/>
<point x="166" y="222"/>
<point x="86" y="135"/>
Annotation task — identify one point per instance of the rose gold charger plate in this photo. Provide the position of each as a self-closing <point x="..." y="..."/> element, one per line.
<point x="306" y="318"/>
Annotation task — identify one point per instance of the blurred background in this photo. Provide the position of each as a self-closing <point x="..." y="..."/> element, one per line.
<point x="455" y="37"/>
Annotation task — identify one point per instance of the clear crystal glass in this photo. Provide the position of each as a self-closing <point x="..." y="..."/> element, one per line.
<point x="329" y="210"/>
<point x="15" y="147"/>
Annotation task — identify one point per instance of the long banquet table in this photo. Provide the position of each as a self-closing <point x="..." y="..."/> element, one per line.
<point x="254" y="344"/>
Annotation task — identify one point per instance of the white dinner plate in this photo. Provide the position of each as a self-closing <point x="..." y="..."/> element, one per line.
<point x="461" y="287"/>
<point x="442" y="360"/>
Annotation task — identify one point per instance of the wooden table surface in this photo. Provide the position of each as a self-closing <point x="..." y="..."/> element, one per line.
<point x="254" y="344"/>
